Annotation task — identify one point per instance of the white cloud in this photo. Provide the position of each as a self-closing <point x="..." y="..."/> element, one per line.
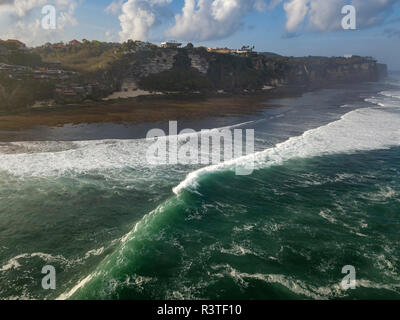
<point x="138" y="17"/>
<point x="66" y="17"/>
<point x="115" y="7"/>
<point x="201" y="20"/>
<point x="110" y="36"/>
<point x="296" y="11"/>
<point x="213" y="19"/>
<point x="323" y="15"/>
<point x="21" y="19"/>
<point x="273" y="3"/>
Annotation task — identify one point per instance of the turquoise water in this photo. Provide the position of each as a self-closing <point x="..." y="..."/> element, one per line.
<point x="325" y="193"/>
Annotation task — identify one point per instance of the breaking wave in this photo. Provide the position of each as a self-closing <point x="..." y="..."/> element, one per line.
<point x="359" y="130"/>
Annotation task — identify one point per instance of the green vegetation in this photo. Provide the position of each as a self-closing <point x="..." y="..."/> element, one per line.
<point x="269" y="54"/>
<point x="19" y="94"/>
<point x="22" y="59"/>
<point x="89" y="56"/>
<point x="11" y="53"/>
<point x="176" y="80"/>
<point x="131" y="46"/>
<point x="233" y="73"/>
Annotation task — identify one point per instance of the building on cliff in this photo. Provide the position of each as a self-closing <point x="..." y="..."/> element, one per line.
<point x="221" y="50"/>
<point x="170" y="44"/>
<point x="244" y="51"/>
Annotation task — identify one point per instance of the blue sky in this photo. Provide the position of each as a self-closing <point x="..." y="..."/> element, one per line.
<point x="314" y="25"/>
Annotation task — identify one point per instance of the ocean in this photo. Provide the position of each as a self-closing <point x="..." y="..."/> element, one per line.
<point x="324" y="194"/>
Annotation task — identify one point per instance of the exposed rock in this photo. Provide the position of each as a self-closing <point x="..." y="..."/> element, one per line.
<point x="199" y="63"/>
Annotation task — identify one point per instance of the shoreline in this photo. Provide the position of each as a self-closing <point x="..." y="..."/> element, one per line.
<point x="132" y="118"/>
<point x="145" y="109"/>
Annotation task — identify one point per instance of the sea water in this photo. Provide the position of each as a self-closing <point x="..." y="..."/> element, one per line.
<point x="325" y="194"/>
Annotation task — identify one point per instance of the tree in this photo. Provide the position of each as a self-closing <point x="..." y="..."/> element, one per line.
<point x="190" y="46"/>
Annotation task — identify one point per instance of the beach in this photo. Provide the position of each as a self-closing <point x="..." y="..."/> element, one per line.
<point x="143" y="112"/>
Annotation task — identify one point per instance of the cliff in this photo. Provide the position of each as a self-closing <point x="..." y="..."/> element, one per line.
<point x="321" y="71"/>
<point x="93" y="70"/>
<point x="198" y="70"/>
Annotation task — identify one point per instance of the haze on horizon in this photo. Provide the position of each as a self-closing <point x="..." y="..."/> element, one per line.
<point x="287" y="27"/>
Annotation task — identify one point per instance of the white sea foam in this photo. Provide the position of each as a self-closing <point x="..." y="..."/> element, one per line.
<point x="383" y="194"/>
<point x="359" y="130"/>
<point x="15" y="263"/>
<point x="299" y="287"/>
<point x="378" y="102"/>
<point x="85" y="156"/>
<point x="327" y="215"/>
<point x="80" y="284"/>
<point x="52" y="158"/>
<point x="384" y="102"/>
<point x="12" y="264"/>
<point x="237" y="250"/>
<point x="391" y="94"/>
<point x="296" y="286"/>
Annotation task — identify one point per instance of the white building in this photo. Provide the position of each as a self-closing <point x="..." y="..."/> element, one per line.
<point x="171" y="44"/>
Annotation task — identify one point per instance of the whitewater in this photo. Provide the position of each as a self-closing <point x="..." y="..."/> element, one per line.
<point x="150" y="253"/>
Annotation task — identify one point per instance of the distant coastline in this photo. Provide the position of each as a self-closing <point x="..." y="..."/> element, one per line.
<point x="87" y="73"/>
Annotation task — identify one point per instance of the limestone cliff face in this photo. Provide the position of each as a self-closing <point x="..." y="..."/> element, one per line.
<point x="163" y="60"/>
<point x="382" y="70"/>
<point x="199" y="63"/>
<point x="138" y="66"/>
<point x="319" y="70"/>
<point x="310" y="73"/>
<point x="198" y="69"/>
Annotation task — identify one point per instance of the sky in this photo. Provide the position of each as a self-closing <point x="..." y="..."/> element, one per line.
<point x="287" y="27"/>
